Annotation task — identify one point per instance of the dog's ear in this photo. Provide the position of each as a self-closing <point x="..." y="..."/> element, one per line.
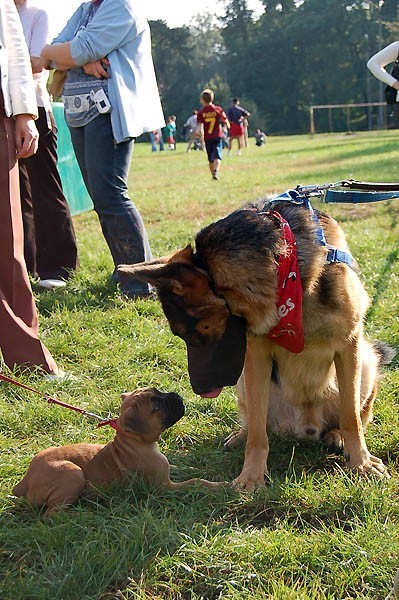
<point x="170" y="271"/>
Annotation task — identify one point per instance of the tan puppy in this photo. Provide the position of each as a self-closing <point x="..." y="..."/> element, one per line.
<point x="57" y="476"/>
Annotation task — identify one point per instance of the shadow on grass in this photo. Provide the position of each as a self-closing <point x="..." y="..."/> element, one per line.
<point x="72" y="298"/>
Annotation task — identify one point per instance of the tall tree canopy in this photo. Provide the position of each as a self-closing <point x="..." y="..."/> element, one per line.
<point x="298" y="53"/>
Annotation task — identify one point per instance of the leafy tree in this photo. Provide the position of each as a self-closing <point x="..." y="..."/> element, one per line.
<point x="298" y="53"/>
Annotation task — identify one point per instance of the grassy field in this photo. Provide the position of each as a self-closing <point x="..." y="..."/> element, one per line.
<point x="315" y="531"/>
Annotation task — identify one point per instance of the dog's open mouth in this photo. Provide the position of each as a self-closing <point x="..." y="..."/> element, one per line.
<point x="215" y="366"/>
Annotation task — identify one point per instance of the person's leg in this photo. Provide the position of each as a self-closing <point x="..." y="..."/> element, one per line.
<point x="55" y="234"/>
<point x="28" y="219"/>
<point x="161" y="144"/>
<point x="215" y="156"/>
<point x="240" y="141"/>
<point x="191" y="141"/>
<point x="105" y="168"/>
<point x="153" y="142"/>
<point x="19" y="341"/>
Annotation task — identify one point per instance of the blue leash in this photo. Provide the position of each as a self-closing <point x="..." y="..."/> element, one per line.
<point x="357" y="197"/>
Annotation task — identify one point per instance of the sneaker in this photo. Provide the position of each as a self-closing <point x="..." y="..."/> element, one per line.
<point x="59" y="375"/>
<point x="215" y="175"/>
<point x="52" y="284"/>
<point x="239" y="153"/>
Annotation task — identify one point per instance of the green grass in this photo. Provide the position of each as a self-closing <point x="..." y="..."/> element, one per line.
<point x="314" y="532"/>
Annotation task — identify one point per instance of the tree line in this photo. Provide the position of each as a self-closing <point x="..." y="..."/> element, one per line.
<point x="297" y="53"/>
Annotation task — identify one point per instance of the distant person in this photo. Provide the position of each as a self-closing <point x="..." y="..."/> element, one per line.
<point x="170" y="129"/>
<point x="379" y="61"/>
<point x="260" y="137"/>
<point x="174" y="126"/>
<point x="191" y="129"/>
<point x="49" y="236"/>
<point x="237" y="115"/>
<point x="110" y="98"/>
<point x="156" y="139"/>
<point x="211" y="119"/>
<point x="19" y="338"/>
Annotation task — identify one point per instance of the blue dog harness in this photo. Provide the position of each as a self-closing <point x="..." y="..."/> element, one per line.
<point x="334" y="255"/>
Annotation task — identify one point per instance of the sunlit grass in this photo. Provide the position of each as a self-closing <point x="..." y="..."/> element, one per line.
<point x="315" y="532"/>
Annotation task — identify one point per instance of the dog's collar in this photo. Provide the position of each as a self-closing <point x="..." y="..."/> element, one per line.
<point x="113" y="423"/>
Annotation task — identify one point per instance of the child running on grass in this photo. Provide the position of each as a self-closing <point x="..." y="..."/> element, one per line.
<point x="210" y="119"/>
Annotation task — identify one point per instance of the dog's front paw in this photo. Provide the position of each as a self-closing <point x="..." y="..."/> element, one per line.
<point x="372" y="466"/>
<point x="235" y="439"/>
<point x="249" y="481"/>
<point x="334" y="441"/>
<point x="252" y="476"/>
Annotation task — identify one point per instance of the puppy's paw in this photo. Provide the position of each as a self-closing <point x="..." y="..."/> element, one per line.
<point x="236" y="438"/>
<point x="212" y="485"/>
<point x="333" y="441"/>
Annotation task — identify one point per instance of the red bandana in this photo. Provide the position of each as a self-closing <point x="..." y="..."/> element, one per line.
<point x="289" y="331"/>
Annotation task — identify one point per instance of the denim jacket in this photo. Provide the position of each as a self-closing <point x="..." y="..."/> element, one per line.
<point x="119" y="32"/>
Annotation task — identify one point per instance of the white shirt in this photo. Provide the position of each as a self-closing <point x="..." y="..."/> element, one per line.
<point x="16" y="74"/>
<point x="192" y="123"/>
<point x="379" y="61"/>
<point x="35" y="24"/>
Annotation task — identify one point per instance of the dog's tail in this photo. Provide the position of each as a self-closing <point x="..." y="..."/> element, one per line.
<point x="386" y="353"/>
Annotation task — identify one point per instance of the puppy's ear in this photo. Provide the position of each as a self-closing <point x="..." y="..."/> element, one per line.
<point x="125" y="395"/>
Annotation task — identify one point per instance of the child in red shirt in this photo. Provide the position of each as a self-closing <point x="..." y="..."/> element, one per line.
<point x="210" y="119"/>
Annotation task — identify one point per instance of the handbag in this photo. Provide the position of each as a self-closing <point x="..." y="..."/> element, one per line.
<point x="57" y="83"/>
<point x="390" y="92"/>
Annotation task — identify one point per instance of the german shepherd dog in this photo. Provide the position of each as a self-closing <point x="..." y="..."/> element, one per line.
<point x="222" y="300"/>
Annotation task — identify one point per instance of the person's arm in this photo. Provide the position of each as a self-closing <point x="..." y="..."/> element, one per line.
<point x="62" y="39"/>
<point x="113" y="25"/>
<point x="39" y="38"/>
<point x="224" y="118"/>
<point x="20" y="84"/>
<point x="58" y="55"/>
<point x="67" y="33"/>
<point x="379" y="61"/>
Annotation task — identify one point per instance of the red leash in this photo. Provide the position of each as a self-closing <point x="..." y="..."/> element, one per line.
<point x="51" y="400"/>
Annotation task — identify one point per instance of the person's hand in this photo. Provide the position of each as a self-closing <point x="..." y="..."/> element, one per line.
<point x="26" y="136"/>
<point x="96" y="68"/>
<point x="396" y="85"/>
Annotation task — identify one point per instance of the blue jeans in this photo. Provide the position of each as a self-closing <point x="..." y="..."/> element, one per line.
<point x="153" y="138"/>
<point x="105" y="168"/>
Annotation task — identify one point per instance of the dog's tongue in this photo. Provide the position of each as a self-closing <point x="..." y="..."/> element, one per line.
<point x="213" y="394"/>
